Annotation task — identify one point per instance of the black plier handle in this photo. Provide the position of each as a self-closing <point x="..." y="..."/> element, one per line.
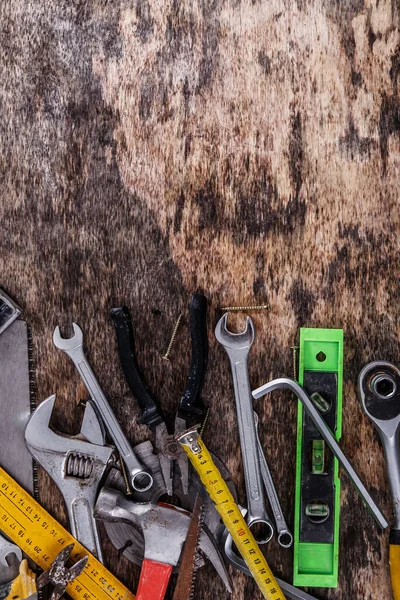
<point x="151" y="416"/>
<point x="190" y="404"/>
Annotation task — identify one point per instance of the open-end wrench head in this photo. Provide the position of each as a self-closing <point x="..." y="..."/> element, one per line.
<point x="68" y="343"/>
<point x="236" y="341"/>
<point x="39" y="437"/>
<point x="38" y="433"/>
<point x="7" y="548"/>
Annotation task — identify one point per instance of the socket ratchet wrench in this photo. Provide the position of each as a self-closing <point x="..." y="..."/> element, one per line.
<point x="140" y="479"/>
<point x="285" y="538"/>
<point x="237" y="346"/>
<point x="379" y="390"/>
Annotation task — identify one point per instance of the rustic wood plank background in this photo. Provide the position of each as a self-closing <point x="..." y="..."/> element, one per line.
<point x="246" y="148"/>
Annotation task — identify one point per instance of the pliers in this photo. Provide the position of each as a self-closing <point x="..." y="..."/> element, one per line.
<point x="190" y="409"/>
<point x="59" y="575"/>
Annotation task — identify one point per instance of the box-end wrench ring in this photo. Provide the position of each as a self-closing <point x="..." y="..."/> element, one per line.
<point x="140" y="479"/>
<point x="285" y="537"/>
<point x="238" y="563"/>
<point x="237" y="346"/>
<point x="379" y="390"/>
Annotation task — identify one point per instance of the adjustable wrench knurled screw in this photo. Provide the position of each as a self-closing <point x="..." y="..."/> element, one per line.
<point x="76" y="466"/>
<point x="237" y="347"/>
<point x="140" y="479"/>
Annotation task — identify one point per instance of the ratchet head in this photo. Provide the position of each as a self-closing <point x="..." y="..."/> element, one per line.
<point x="236" y="341"/>
<point x="379" y="390"/>
<point x="68" y="343"/>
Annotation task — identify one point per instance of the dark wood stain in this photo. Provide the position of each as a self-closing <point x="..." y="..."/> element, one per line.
<point x="149" y="150"/>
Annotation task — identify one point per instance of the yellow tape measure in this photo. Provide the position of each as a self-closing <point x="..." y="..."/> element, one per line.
<point x="230" y="514"/>
<point x="41" y="537"/>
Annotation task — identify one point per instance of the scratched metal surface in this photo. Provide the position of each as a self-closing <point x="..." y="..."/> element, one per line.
<point x="248" y="149"/>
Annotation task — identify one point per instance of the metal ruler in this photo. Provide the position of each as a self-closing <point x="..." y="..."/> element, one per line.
<point x="230" y="513"/>
<point x="41" y="537"/>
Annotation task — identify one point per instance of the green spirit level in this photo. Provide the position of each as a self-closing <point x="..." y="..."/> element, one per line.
<point x="317" y="505"/>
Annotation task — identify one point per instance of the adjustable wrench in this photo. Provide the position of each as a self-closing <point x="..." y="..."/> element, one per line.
<point x="285" y="538"/>
<point x="76" y="466"/>
<point x="237" y="346"/>
<point x="379" y="390"/>
<point x="140" y="479"/>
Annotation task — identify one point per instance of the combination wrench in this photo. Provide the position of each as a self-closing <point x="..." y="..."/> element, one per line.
<point x="285" y="538"/>
<point x="379" y="390"/>
<point x="140" y="479"/>
<point x="237" y="346"/>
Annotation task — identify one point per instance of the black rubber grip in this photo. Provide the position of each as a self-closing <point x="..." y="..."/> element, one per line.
<point x="191" y="402"/>
<point x="126" y="345"/>
<point x="394" y="537"/>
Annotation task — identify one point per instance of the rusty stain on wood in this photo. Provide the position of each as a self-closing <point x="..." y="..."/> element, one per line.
<point x="248" y="149"/>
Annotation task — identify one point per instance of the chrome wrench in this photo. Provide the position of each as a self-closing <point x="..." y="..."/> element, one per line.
<point x="140" y="479"/>
<point x="379" y="390"/>
<point x="75" y="464"/>
<point x="10" y="559"/>
<point x="237" y="346"/>
<point x="285" y="538"/>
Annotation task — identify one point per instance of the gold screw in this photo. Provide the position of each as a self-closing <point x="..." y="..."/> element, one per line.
<point x="245" y="308"/>
<point x="294" y="348"/>
<point x="124" y="473"/>
<point x="205" y="421"/>
<point x="173" y="336"/>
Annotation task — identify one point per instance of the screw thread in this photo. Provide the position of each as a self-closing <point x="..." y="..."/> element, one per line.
<point x="245" y="308"/>
<point x="173" y="336"/>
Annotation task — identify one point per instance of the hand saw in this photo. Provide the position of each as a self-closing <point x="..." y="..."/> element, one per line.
<point x="185" y="584"/>
<point x="15" y="407"/>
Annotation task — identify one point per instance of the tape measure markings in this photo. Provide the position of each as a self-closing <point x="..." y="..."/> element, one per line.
<point x="230" y="514"/>
<point x="41" y="537"/>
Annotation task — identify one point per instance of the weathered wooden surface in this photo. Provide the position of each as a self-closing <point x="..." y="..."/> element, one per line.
<point x="248" y="149"/>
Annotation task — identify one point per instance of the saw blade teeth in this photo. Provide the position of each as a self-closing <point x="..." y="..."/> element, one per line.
<point x="184" y="589"/>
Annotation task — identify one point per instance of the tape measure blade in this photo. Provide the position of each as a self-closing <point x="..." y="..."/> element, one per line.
<point x="41" y="537"/>
<point x="232" y="518"/>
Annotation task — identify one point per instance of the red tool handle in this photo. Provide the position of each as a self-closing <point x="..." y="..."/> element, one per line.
<point x="154" y="579"/>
